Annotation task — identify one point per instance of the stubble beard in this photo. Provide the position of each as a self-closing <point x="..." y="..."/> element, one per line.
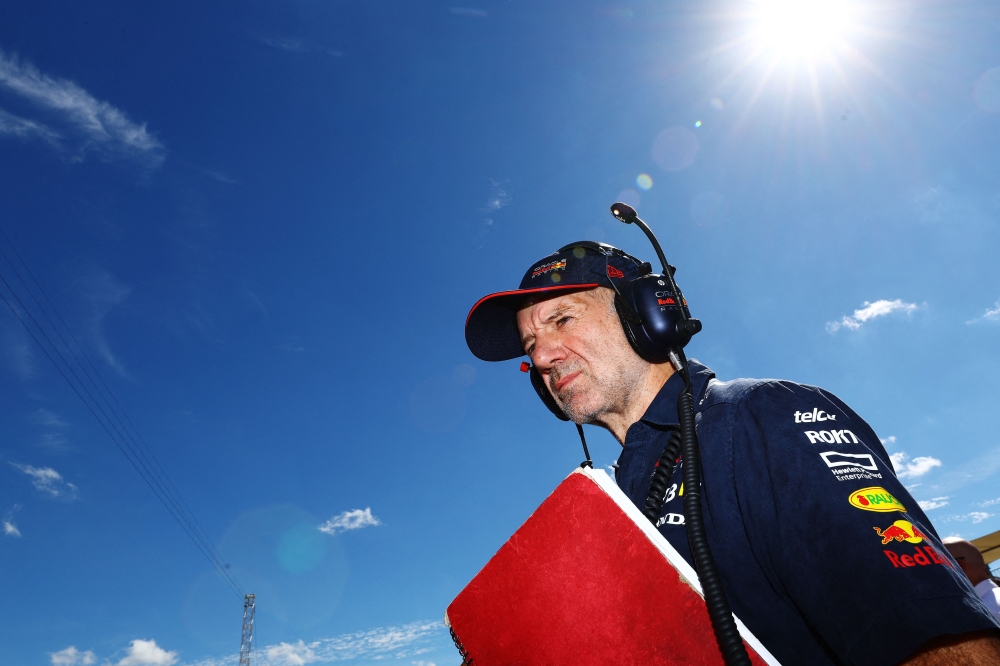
<point x="614" y="388"/>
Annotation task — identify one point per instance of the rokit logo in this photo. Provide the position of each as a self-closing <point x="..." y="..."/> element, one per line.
<point x="831" y="437"/>
<point x="814" y="416"/>
<point x="851" y="466"/>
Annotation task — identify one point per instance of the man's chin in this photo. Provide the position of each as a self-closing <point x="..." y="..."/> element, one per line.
<point x="579" y="410"/>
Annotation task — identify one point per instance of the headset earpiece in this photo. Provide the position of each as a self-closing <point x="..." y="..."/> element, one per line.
<point x="655" y="317"/>
<point x="628" y="319"/>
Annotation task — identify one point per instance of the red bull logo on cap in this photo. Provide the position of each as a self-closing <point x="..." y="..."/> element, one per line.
<point x="551" y="266"/>
<point x="901" y="530"/>
<point x="875" y="498"/>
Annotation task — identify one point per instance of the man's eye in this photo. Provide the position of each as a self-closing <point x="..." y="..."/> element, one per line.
<point x="562" y="321"/>
<point x="530" y="350"/>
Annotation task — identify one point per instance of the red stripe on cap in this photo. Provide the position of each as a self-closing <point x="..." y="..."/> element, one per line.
<point x="536" y="290"/>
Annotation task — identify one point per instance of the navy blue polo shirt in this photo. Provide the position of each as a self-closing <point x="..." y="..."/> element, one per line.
<point x="823" y="553"/>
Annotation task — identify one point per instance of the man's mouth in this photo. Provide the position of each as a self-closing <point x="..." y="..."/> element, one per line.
<point x="564" y="381"/>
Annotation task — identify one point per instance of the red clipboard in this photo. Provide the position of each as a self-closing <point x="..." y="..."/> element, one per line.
<point x="587" y="580"/>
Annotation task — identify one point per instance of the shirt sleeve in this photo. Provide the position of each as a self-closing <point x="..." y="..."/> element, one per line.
<point x="840" y="537"/>
<point x="989" y="592"/>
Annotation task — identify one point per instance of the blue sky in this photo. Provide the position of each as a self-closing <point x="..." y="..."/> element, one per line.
<point x="265" y="224"/>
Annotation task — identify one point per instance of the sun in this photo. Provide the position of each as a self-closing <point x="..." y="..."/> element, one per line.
<point x="800" y="29"/>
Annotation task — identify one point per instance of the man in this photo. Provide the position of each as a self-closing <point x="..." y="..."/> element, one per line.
<point x="974" y="566"/>
<point x="822" y="552"/>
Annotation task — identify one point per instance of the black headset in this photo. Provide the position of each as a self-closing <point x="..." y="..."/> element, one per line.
<point x="651" y="308"/>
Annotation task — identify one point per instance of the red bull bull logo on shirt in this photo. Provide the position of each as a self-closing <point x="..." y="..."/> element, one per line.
<point x="922" y="556"/>
<point x="901" y="530"/>
<point x="875" y="498"/>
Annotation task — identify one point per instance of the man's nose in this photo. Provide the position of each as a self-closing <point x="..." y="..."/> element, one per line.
<point x="547" y="352"/>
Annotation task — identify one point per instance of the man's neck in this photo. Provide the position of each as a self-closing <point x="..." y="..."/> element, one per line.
<point x="638" y="401"/>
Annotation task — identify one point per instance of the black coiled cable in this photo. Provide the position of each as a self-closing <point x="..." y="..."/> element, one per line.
<point x="466" y="659"/>
<point x="661" y="477"/>
<point x="726" y="632"/>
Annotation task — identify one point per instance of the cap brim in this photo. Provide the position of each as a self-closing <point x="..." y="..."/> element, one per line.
<point x="491" y="327"/>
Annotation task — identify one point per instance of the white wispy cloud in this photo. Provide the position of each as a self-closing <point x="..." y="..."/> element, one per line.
<point x="964" y="475"/>
<point x="992" y="502"/>
<point x="399" y="642"/>
<point x="911" y="469"/>
<point x="72" y="657"/>
<point x="295" y="45"/>
<point x="147" y="653"/>
<point x="95" y="125"/>
<point x="498" y="197"/>
<point x="290" y="654"/>
<point x="286" y="43"/>
<point x="54" y="439"/>
<point x="104" y="292"/>
<point x="350" y="520"/>
<point x="10" y="529"/>
<point x="974" y="517"/>
<point x="935" y="503"/>
<point x="48" y="481"/>
<point x="17" y="348"/>
<point x="888" y="441"/>
<point x="47" y="418"/>
<point x="23" y="128"/>
<point x="471" y="12"/>
<point x="989" y="315"/>
<point x="869" y="311"/>
<point x="219" y="176"/>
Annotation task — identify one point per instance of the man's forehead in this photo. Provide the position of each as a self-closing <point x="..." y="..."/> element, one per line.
<point x="550" y="302"/>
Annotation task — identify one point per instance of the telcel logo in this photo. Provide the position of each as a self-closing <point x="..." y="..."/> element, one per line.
<point x="875" y="498"/>
<point x="815" y="415"/>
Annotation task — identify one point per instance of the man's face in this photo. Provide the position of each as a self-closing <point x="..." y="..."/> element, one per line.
<point x="577" y="344"/>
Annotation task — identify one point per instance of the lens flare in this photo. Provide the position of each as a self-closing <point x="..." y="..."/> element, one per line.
<point x="644" y="181"/>
<point x="801" y="28"/>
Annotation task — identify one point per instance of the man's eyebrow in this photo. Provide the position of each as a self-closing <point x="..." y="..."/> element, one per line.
<point x="552" y="316"/>
<point x="558" y="312"/>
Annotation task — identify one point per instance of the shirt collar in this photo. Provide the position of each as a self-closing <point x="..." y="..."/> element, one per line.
<point x="663" y="410"/>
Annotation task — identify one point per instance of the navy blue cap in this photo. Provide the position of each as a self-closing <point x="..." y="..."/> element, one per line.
<point x="491" y="327"/>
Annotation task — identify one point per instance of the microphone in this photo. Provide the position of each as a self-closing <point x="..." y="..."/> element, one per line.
<point x="625" y="213"/>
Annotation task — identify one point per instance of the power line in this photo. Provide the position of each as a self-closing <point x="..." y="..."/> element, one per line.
<point x="141" y="458"/>
<point x="168" y="488"/>
<point x="97" y="373"/>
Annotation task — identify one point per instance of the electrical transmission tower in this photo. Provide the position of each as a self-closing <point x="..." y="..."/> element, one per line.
<point x="246" y="640"/>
